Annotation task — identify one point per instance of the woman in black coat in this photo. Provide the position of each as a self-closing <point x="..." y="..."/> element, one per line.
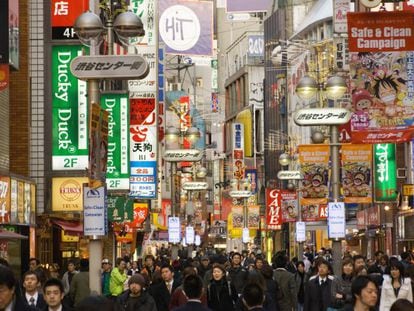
<point x="221" y="294"/>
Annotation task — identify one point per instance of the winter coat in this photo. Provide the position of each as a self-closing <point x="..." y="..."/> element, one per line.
<point x="287" y="285"/>
<point x="342" y="285"/>
<point x="388" y="296"/>
<point x="144" y="302"/>
<point x="221" y="295"/>
<point x="116" y="282"/>
<point x="79" y="288"/>
<point x="238" y="277"/>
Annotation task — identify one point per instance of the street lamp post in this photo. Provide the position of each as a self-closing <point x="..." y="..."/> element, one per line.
<point x="89" y="28"/>
<point x="335" y="89"/>
<point x="189" y="155"/>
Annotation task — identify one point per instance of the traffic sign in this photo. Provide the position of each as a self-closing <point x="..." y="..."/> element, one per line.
<point x="109" y="67"/>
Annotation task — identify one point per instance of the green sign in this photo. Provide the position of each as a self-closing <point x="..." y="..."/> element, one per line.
<point x="69" y="112"/>
<point x="117" y="171"/>
<point x="385" y="172"/>
<point x="120" y="209"/>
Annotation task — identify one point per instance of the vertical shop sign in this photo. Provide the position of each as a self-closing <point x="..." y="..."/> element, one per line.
<point x="385" y="172"/>
<point x="117" y="168"/>
<point x="273" y="208"/>
<point x="63" y="17"/>
<point x="143" y="148"/>
<point x="356" y="173"/>
<point x="145" y="10"/>
<point x="238" y="150"/>
<point x="13" y="201"/>
<point x="4" y="200"/>
<point x="69" y="112"/>
<point x="341" y="8"/>
<point x="147" y="87"/>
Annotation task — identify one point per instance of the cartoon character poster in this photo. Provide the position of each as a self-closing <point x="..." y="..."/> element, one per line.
<point x="237" y="212"/>
<point x="356" y="173"/>
<point x="382" y="77"/>
<point x="314" y="165"/>
<point x="253" y="217"/>
<point x="289" y="206"/>
<point x="313" y="209"/>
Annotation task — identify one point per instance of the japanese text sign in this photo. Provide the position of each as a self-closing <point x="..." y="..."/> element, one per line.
<point x="385" y="172"/>
<point x="63" y="17"/>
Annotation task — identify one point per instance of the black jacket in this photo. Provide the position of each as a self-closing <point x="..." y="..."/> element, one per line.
<point x="318" y="297"/>
<point x="145" y="302"/>
<point x="238" y="277"/>
<point x="221" y="295"/>
<point x="161" y="295"/>
<point x="40" y="302"/>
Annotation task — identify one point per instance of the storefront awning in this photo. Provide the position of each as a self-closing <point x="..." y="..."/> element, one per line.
<point x="4" y="234"/>
<point x="70" y="227"/>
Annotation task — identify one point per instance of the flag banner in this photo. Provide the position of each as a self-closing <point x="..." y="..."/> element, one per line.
<point x="253" y="216"/>
<point x="356" y="173"/>
<point x="237" y="212"/>
<point x="313" y="209"/>
<point x="289" y="206"/>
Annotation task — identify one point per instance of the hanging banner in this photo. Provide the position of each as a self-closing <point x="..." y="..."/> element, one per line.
<point x="314" y="163"/>
<point x="382" y="67"/>
<point x="237" y="212"/>
<point x="289" y="206"/>
<point x="238" y="150"/>
<point x="251" y="175"/>
<point x="143" y="148"/>
<point x="341" y="9"/>
<point x="120" y="209"/>
<point x="174" y="230"/>
<point x="385" y="172"/>
<point x="94" y="212"/>
<point x="63" y="17"/>
<point x="141" y="211"/>
<point x="186" y="27"/>
<point x="313" y="209"/>
<point x="5" y="200"/>
<point x="273" y="208"/>
<point x="69" y="112"/>
<point x="356" y="173"/>
<point x="253" y="217"/>
<point x="117" y="168"/>
<point x="336" y="220"/>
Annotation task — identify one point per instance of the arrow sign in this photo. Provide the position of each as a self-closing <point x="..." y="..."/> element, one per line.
<point x="109" y="67"/>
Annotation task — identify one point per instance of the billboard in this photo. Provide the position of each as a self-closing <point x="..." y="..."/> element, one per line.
<point x="63" y="17"/>
<point x="117" y="166"/>
<point x="69" y="112"/>
<point x="273" y="208"/>
<point x="67" y="194"/>
<point x="186" y="27"/>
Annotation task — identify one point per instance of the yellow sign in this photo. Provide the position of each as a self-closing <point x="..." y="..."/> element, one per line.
<point x="408" y="189"/>
<point x="69" y="238"/>
<point x="67" y="194"/>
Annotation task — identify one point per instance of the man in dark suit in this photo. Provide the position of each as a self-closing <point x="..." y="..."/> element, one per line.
<point x="53" y="292"/>
<point x="10" y="295"/>
<point x="193" y="289"/>
<point x="318" y="295"/>
<point x="161" y="292"/>
<point x="31" y="294"/>
<point x="253" y="297"/>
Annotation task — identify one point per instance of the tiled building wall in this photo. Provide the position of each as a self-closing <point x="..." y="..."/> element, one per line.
<point x="37" y="143"/>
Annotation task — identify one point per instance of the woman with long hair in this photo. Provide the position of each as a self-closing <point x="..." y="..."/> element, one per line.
<point x="221" y="294"/>
<point x="395" y="286"/>
<point x="341" y="287"/>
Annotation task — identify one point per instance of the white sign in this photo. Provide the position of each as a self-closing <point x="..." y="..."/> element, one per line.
<point x="197" y="240"/>
<point x="341" y="8"/>
<point x="190" y="155"/>
<point x="174" y="230"/>
<point x="246" y="235"/>
<point x="189" y="235"/>
<point x="187" y="28"/>
<point x="94" y="211"/>
<point x="141" y="88"/>
<point x="195" y="185"/>
<point x="322" y="116"/>
<point x="300" y="231"/>
<point x="289" y="175"/>
<point x="240" y="193"/>
<point x="336" y="220"/>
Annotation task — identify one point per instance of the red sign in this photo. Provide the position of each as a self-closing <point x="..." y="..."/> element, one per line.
<point x="373" y="216"/>
<point x="381" y="31"/>
<point x="361" y="219"/>
<point x="408" y="5"/>
<point x="273" y="208"/>
<point x="140" y="214"/>
<point x="4" y="76"/>
<point x="65" y="12"/>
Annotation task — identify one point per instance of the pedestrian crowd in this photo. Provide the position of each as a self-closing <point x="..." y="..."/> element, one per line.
<point x="217" y="282"/>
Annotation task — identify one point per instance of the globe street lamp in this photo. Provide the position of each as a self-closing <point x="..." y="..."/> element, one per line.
<point x="89" y="28"/>
<point x="335" y="89"/>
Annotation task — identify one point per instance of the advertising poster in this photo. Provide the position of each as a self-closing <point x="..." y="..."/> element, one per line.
<point x="356" y="173"/>
<point x="186" y="27"/>
<point x="120" y="209"/>
<point x="5" y="200"/>
<point x="382" y="70"/>
<point x="143" y="148"/>
<point x="20" y="203"/>
<point x="117" y="165"/>
<point x="238" y="151"/>
<point x="69" y="112"/>
<point x="289" y="206"/>
<point x="273" y="208"/>
<point x="253" y="217"/>
<point x="314" y="163"/>
<point x="313" y="209"/>
<point x="384" y="169"/>
<point x="251" y="175"/>
<point x="237" y="212"/>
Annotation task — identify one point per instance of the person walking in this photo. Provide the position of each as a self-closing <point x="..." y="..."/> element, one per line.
<point x="193" y="288"/>
<point x="161" y="291"/>
<point x="253" y="297"/>
<point x="79" y="288"/>
<point x="106" y="277"/>
<point x="395" y="286"/>
<point x="364" y="293"/>
<point x="341" y="289"/>
<point x="237" y="273"/>
<point x="135" y="298"/>
<point x="221" y="293"/>
<point x="286" y="282"/>
<point x="300" y="284"/>
<point x="318" y="290"/>
<point x="53" y="292"/>
<point x="118" y="278"/>
<point x="31" y="294"/>
<point x="10" y="298"/>
<point x="68" y="276"/>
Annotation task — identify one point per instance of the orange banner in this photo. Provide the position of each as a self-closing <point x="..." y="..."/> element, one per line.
<point x="356" y="173"/>
<point x="381" y="31"/>
<point x="237" y="212"/>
